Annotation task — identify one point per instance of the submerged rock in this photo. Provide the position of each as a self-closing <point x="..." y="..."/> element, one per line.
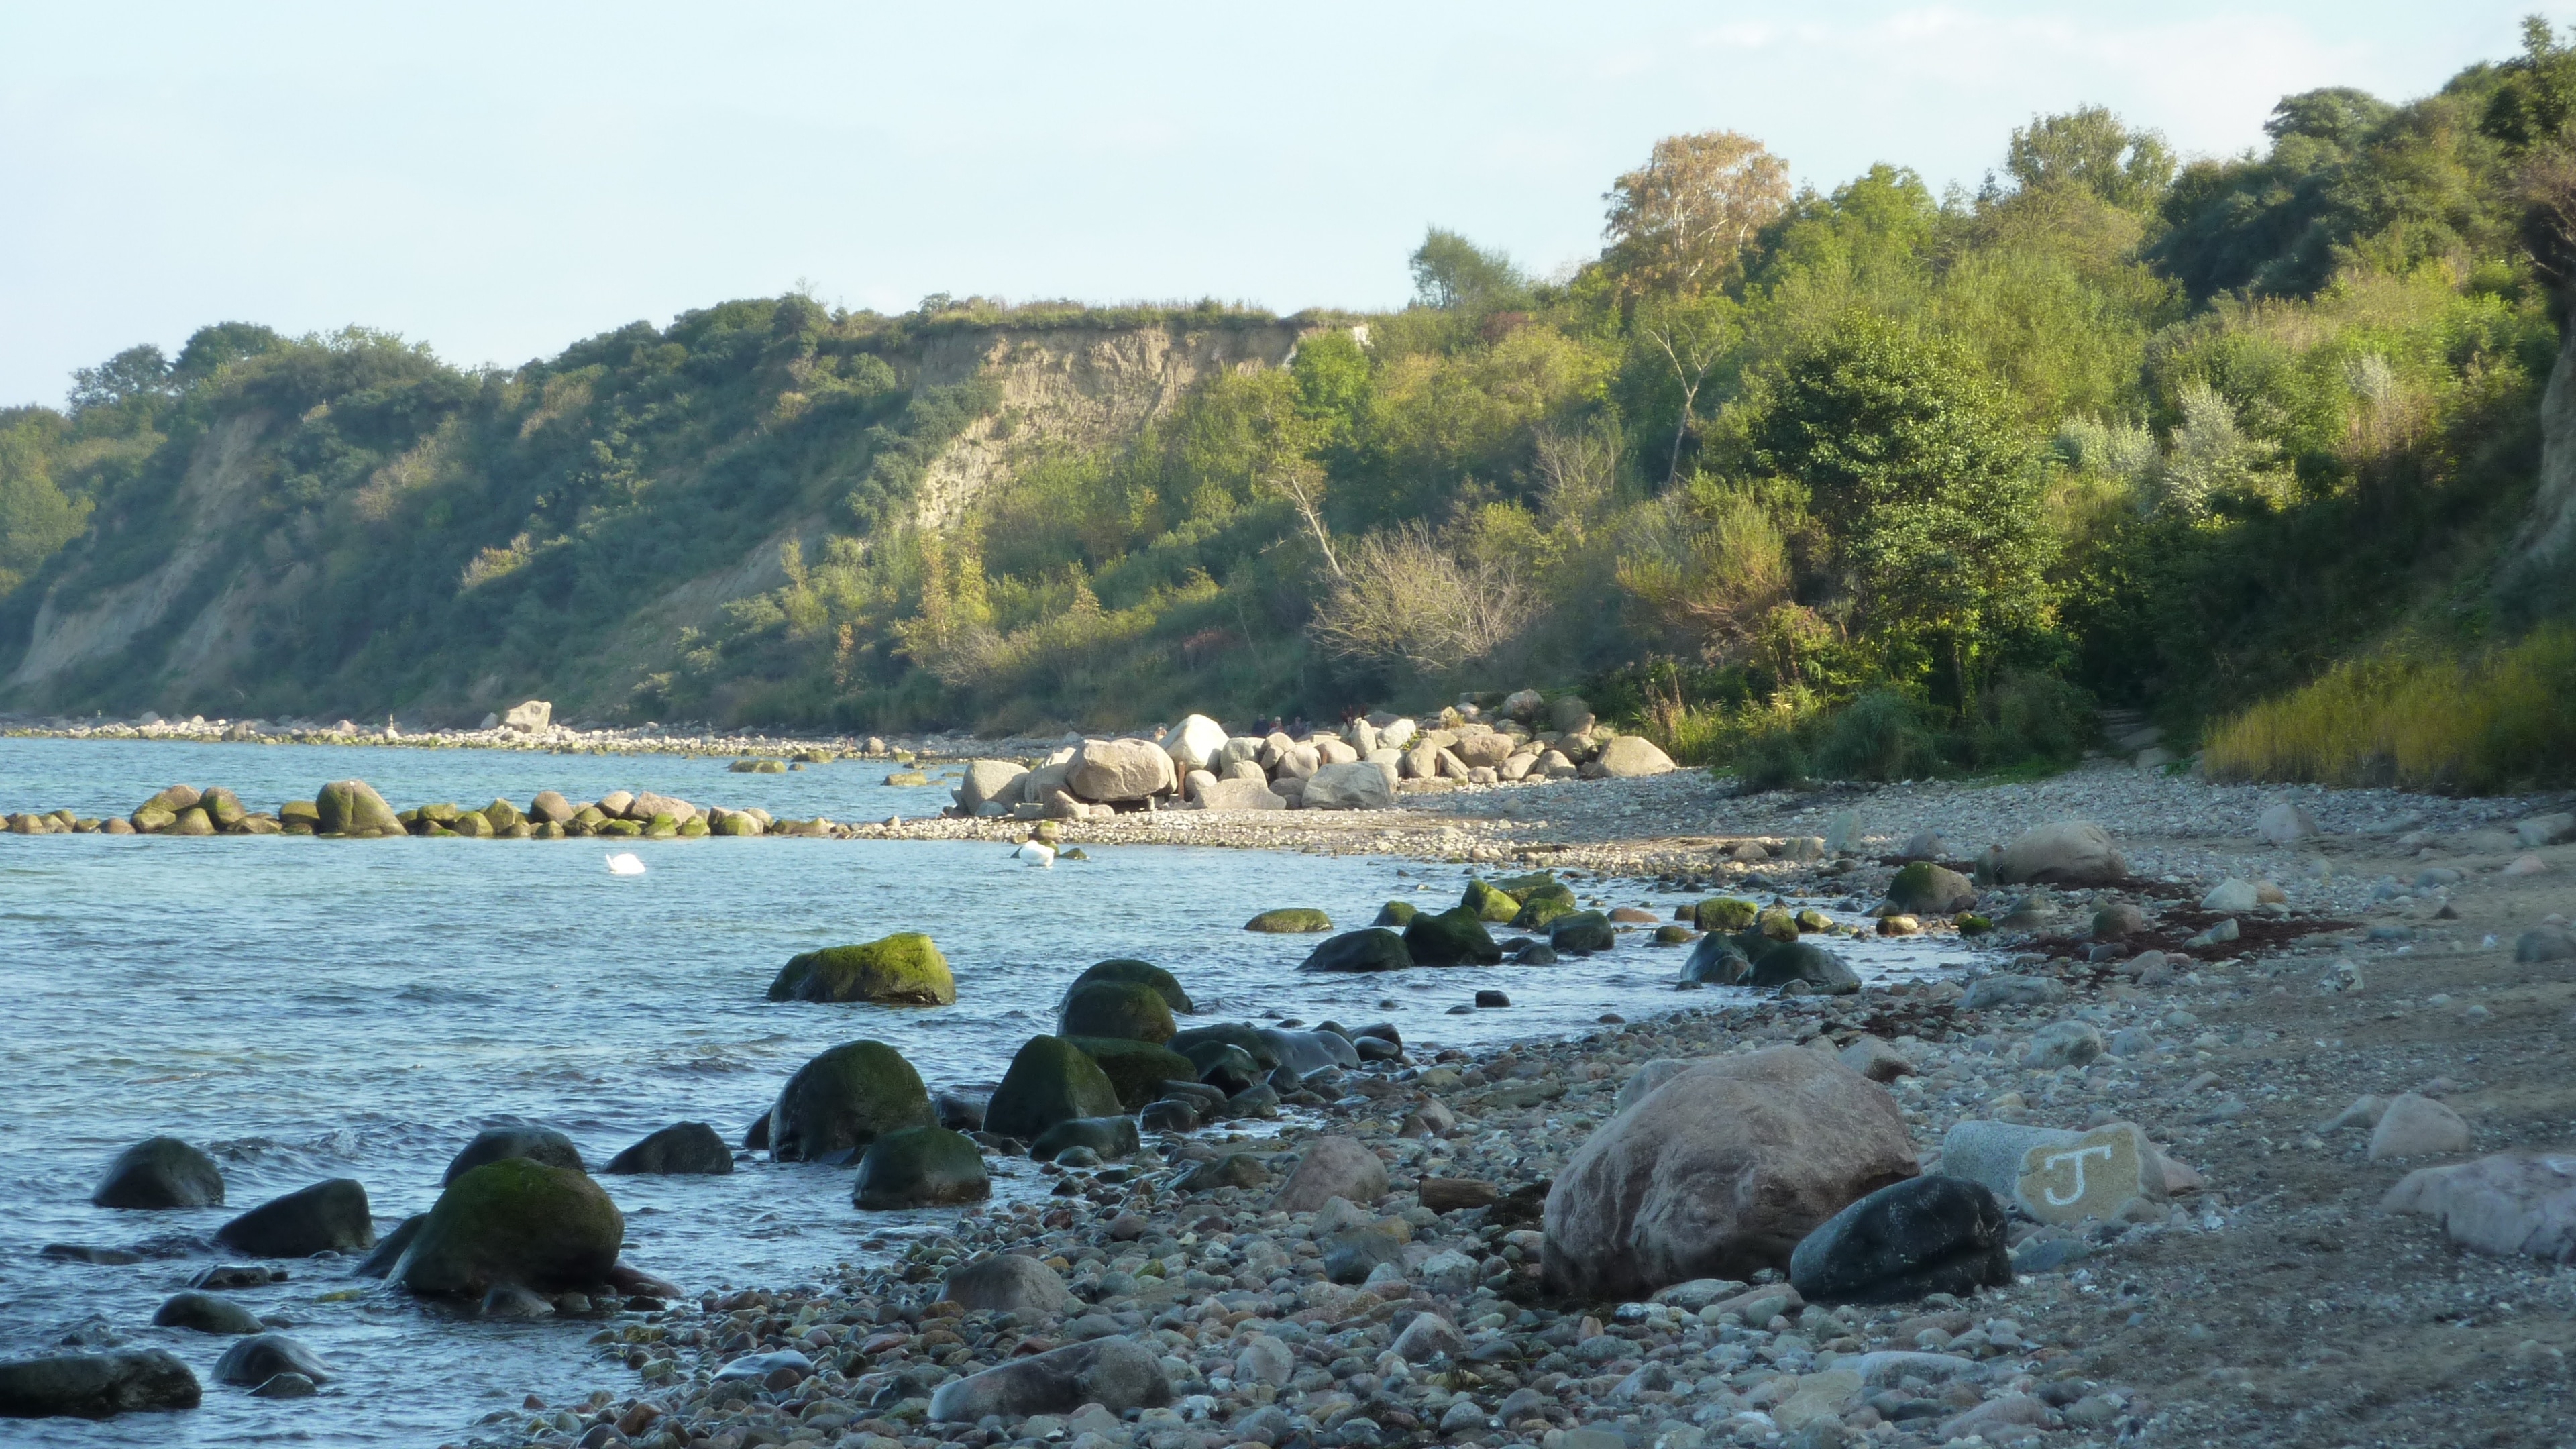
<point x="1143" y="973"/>
<point x="1372" y="949"/>
<point x="1129" y="1010"/>
<point x="160" y="1172"/>
<point x="96" y="1385"/>
<point x="261" y="1357"/>
<point x="328" y="1217"/>
<point x="681" y="1149"/>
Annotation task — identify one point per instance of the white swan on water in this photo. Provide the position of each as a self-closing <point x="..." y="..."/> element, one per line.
<point x="1034" y="852"/>
<point x="625" y="862"/>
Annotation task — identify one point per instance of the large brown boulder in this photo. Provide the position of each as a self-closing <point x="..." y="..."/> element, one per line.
<point x="1719" y="1173"/>
<point x="1109" y="770"/>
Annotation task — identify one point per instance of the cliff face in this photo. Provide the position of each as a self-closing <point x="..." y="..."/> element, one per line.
<point x="1070" y="386"/>
<point x="2535" y="577"/>
<point x="247" y="606"/>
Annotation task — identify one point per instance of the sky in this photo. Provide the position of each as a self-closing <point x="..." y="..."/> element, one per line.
<point x="500" y="180"/>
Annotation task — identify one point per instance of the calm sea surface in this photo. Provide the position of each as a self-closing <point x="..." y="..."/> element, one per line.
<point x="311" y="1008"/>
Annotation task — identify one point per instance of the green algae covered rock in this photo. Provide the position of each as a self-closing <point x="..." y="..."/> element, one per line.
<point x="1136" y="1069"/>
<point x="516" y="1222"/>
<point x="920" y="1167"/>
<point x="1490" y="904"/>
<point x="1290" y="921"/>
<point x="352" y="807"/>
<point x="1396" y="915"/>
<point x="192" y="821"/>
<point x="846" y="1098"/>
<point x="1724" y="913"/>
<point x="1050" y="1080"/>
<point x="1455" y="937"/>
<point x="1144" y="973"/>
<point x="904" y="969"/>
<point x="1372" y="949"/>
<point x="1130" y="1010"/>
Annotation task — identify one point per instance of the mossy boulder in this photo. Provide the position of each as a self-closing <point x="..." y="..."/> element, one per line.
<point x="443" y="812"/>
<point x="223" y="807"/>
<point x="1374" y="949"/>
<point x="1455" y="937"/>
<point x="1778" y="924"/>
<point x="1585" y="931"/>
<point x="174" y="799"/>
<point x="495" y="1144"/>
<point x="693" y="828"/>
<point x="1519" y="887"/>
<point x="1490" y="904"/>
<point x="1396" y="915"/>
<point x="503" y="815"/>
<point x="1972" y="924"/>
<point x="920" y="1167"/>
<point x="1136" y="1069"/>
<point x="904" y="969"/>
<point x="191" y="821"/>
<point x="1538" y="910"/>
<point x="514" y="1223"/>
<point x="152" y="819"/>
<point x="1228" y="1068"/>
<point x="475" y="824"/>
<point x="1143" y="973"/>
<point x="1290" y="921"/>
<point x="1724" y="913"/>
<point x="845" y="1099"/>
<point x="1823" y="972"/>
<point x="1111" y="1137"/>
<point x="352" y="807"/>
<point x="1202" y="1042"/>
<point x="624" y="829"/>
<point x="1050" y="1080"/>
<point x="1127" y="1009"/>
<point x="1926" y="889"/>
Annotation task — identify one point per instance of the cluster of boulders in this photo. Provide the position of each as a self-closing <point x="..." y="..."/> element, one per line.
<point x="1199" y="764"/>
<point x="352" y="808"/>
<point x="519" y="1229"/>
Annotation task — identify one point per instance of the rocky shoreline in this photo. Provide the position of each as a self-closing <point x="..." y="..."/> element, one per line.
<point x="2264" y="1009"/>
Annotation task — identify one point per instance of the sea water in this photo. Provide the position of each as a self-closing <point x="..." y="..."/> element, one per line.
<point x="307" y="1008"/>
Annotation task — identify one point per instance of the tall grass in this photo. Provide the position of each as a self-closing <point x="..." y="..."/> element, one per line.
<point x="2415" y="716"/>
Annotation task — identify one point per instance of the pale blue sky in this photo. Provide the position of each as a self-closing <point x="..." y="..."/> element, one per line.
<point x="499" y="180"/>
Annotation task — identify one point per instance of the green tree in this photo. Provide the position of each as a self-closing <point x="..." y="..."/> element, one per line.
<point x="1928" y="486"/>
<point x="2092" y="149"/>
<point x="36" y="519"/>
<point x="1452" y="272"/>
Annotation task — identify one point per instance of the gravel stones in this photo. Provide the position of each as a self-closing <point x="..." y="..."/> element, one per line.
<point x="1332" y="1167"/>
<point x="2417" y="1126"/>
<point x="1720" y="1172"/>
<point x="1906" y="1240"/>
<point x="328" y="1217"/>
<point x="160" y="1172"/>
<point x="1118" y="1374"/>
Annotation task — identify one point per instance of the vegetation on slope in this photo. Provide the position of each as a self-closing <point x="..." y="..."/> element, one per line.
<point x="1854" y="481"/>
